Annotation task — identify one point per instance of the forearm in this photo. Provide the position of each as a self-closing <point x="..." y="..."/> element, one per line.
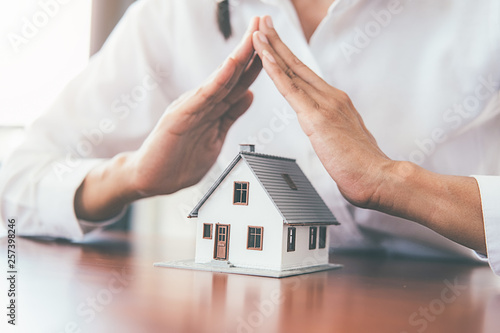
<point x="449" y="205"/>
<point x="106" y="190"/>
<point x="184" y="144"/>
<point x="366" y="177"/>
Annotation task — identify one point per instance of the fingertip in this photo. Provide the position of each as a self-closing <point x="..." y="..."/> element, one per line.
<point x="261" y="43"/>
<point x="229" y="63"/>
<point x="268" y="21"/>
<point x="238" y="109"/>
<point x="255" y="36"/>
<point x="249" y="96"/>
<point x="245" y="101"/>
<point x="266" y="25"/>
<point x="226" y="70"/>
<point x="268" y="56"/>
<point x="262" y="25"/>
<point x="256" y="42"/>
<point x="262" y="37"/>
<point x="254" y="24"/>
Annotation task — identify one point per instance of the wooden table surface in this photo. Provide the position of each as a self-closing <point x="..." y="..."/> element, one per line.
<point x="109" y="284"/>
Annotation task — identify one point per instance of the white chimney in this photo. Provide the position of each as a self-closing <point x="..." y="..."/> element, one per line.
<point x="247" y="147"/>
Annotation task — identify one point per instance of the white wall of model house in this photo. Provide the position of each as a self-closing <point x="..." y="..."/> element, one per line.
<point x="302" y="256"/>
<point x="261" y="212"/>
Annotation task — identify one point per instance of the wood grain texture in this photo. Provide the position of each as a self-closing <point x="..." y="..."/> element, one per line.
<point x="109" y="284"/>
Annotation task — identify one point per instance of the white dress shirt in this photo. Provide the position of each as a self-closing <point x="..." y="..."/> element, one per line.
<point x="424" y="75"/>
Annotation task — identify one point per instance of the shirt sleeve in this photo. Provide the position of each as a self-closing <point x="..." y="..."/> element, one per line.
<point x="489" y="187"/>
<point x="109" y="108"/>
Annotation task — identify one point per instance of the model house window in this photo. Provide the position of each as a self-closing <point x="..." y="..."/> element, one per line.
<point x="255" y="235"/>
<point x="312" y="237"/>
<point x="290" y="240"/>
<point x="289" y="181"/>
<point x="207" y="231"/>
<point x="322" y="237"/>
<point x="240" y="193"/>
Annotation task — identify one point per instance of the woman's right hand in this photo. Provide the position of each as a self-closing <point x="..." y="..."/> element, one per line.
<point x="184" y="144"/>
<point x="188" y="138"/>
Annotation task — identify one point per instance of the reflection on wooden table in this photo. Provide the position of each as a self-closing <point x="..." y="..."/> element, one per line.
<point x="109" y="284"/>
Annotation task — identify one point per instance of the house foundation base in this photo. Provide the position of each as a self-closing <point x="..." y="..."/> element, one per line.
<point x="190" y="264"/>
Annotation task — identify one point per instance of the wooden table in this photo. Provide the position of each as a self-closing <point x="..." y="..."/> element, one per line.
<point x="109" y="284"/>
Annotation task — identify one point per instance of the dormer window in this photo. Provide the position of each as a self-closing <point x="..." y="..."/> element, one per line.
<point x="289" y="181"/>
<point x="240" y="196"/>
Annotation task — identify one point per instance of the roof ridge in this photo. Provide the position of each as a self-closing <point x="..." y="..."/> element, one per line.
<point x="274" y="157"/>
<point x="266" y="169"/>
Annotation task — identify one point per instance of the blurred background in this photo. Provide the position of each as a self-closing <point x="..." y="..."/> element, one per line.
<point x="43" y="45"/>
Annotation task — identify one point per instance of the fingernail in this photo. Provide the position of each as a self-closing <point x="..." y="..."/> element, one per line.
<point x="269" y="56"/>
<point x="251" y="24"/>
<point x="262" y="37"/>
<point x="269" y="22"/>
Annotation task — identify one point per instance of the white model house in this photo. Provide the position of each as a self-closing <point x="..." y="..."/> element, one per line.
<point x="262" y="213"/>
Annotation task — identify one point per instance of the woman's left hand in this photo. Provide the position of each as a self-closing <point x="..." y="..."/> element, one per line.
<point x="344" y="145"/>
<point x="449" y="205"/>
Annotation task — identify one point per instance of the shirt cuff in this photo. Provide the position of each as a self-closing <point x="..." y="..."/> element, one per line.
<point x="489" y="188"/>
<point x="55" y="201"/>
<point x="88" y="226"/>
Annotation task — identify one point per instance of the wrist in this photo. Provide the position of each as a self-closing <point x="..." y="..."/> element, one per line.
<point x="121" y="173"/>
<point x="106" y="190"/>
<point x="393" y="189"/>
<point x="449" y="205"/>
<point x="411" y="192"/>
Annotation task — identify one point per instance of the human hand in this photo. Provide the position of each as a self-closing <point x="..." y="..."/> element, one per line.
<point x="337" y="132"/>
<point x="182" y="147"/>
<point x="188" y="138"/>
<point x="449" y="205"/>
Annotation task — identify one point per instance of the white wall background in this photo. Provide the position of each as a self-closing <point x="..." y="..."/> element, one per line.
<point x="43" y="44"/>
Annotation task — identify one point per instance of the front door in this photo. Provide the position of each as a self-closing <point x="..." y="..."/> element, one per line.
<point x="221" y="241"/>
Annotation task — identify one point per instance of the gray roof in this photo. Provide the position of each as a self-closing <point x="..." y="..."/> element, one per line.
<point x="303" y="206"/>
